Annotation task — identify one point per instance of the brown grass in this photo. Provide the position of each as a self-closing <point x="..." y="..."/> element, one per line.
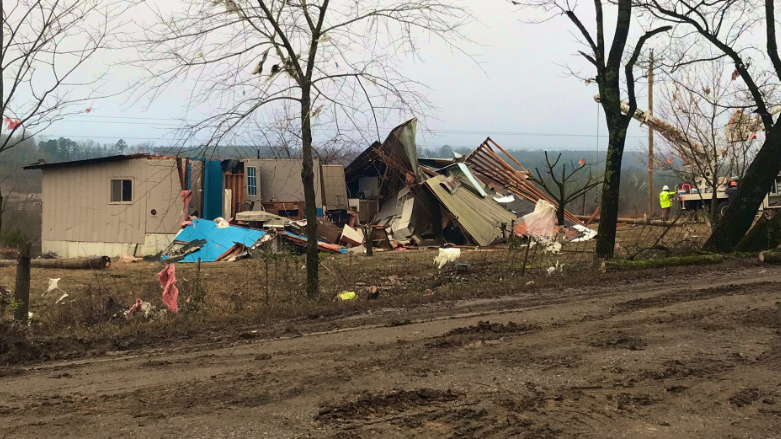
<point x="234" y="294"/>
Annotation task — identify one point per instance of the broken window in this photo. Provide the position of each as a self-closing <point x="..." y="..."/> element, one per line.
<point x="121" y="191"/>
<point x="252" y="181"/>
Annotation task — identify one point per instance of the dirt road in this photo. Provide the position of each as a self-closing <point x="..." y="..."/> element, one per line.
<point x="677" y="357"/>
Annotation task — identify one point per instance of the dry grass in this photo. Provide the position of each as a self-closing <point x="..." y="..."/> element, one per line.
<point x="234" y="294"/>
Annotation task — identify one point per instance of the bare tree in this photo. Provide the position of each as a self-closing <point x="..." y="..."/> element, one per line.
<point x="563" y="186"/>
<point x="10" y="182"/>
<point x="696" y="102"/>
<point x="46" y="46"/>
<point x="726" y="26"/>
<point x="282" y="139"/>
<point x="337" y="62"/>
<point x="608" y="63"/>
<point x="5" y="197"/>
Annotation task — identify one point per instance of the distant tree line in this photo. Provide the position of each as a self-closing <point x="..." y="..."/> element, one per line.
<point x="64" y="149"/>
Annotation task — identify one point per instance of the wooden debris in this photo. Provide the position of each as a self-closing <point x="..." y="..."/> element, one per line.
<point x="637" y="221"/>
<point x="90" y="263"/>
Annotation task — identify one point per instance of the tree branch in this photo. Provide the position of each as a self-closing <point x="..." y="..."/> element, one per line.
<point x="629" y="68"/>
<point x="574" y="18"/>
<point x="772" y="45"/>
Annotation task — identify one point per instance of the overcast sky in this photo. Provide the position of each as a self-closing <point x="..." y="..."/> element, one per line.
<point x="520" y="94"/>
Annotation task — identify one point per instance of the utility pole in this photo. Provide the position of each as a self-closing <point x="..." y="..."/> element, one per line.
<point x="651" y="137"/>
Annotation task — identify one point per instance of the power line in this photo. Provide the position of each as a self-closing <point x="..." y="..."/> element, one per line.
<point x="492" y="133"/>
<point x="169" y="123"/>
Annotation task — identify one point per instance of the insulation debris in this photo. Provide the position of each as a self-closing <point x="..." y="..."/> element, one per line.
<point x="447" y="256"/>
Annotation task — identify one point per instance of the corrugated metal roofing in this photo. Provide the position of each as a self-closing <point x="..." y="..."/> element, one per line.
<point x="480" y="218"/>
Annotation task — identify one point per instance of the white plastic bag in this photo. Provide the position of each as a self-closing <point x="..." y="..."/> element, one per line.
<point x="541" y="222"/>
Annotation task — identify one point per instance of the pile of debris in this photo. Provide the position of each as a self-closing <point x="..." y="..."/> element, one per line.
<point x="398" y="201"/>
<point x="219" y="240"/>
<point x="474" y="200"/>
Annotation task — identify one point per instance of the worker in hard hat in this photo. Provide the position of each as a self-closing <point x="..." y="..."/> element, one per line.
<point x="732" y="189"/>
<point x="666" y="201"/>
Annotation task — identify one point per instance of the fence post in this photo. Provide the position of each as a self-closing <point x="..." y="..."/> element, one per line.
<point x="22" y="291"/>
<point x="526" y="257"/>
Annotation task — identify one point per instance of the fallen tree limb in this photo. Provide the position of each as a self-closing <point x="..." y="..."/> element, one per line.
<point x="623" y="264"/>
<point x="742" y="255"/>
<point x="91" y="263"/>
<point x="765" y="235"/>
<point x="638" y="221"/>
<point x="770" y="257"/>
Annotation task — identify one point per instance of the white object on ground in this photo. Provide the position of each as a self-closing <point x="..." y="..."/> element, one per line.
<point x="221" y="222"/>
<point x="554" y="247"/>
<point x="542" y="221"/>
<point x="129" y="258"/>
<point x="351" y="235"/>
<point x="447" y="255"/>
<point x="52" y="286"/>
<point x="505" y="200"/>
<point x="64" y="295"/>
<point x="588" y="234"/>
<point x="558" y="267"/>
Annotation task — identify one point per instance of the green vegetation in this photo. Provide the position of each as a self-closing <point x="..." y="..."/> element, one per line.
<point x="675" y="261"/>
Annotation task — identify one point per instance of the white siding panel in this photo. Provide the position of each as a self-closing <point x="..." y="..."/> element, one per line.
<point x="280" y="180"/>
<point x="77" y="207"/>
<point x="152" y="245"/>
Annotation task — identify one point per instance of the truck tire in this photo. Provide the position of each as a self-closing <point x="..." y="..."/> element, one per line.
<point x="721" y="208"/>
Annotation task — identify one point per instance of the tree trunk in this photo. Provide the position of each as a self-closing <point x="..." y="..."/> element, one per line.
<point x="2" y="210"/>
<point x="560" y="213"/>
<point x="310" y="207"/>
<point x="714" y="201"/>
<point x="765" y="235"/>
<point x="606" y="238"/>
<point x="2" y="103"/>
<point x="87" y="263"/>
<point x="751" y="191"/>
<point x="22" y="290"/>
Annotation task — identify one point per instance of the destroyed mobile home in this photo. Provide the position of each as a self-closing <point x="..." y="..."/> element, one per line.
<point x="476" y="200"/>
<point x="388" y="199"/>
<point x="185" y="210"/>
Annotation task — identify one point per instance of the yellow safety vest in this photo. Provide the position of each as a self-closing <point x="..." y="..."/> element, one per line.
<point x="666" y="199"/>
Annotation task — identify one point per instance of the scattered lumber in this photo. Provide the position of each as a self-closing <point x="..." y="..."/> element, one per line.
<point x="638" y="221"/>
<point x="770" y="257"/>
<point x="590" y="219"/>
<point x="90" y="263"/>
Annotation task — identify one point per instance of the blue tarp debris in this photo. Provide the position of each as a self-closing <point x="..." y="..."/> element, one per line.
<point x="214" y="242"/>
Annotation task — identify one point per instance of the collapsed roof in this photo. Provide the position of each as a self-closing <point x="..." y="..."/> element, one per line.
<point x="488" y="163"/>
<point x="483" y="219"/>
<point x="458" y="185"/>
<point x="394" y="161"/>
